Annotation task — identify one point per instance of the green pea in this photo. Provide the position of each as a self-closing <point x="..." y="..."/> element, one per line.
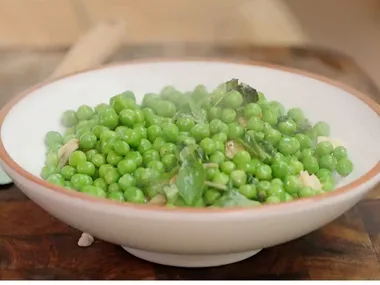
<point x="211" y="196"/>
<point x="147" y="177"/>
<point x="113" y="187"/>
<point x="116" y="196"/>
<point x="287" y="127"/>
<point x="53" y="138"/>
<point x="278" y="107"/>
<point x="156" y="165"/>
<point x="277" y="190"/>
<point x="207" y="145"/>
<point x="328" y="161"/>
<point x="80" y="180"/>
<point x="322" y="129"/>
<point x="185" y="124"/>
<point x="144" y="146"/>
<point x="107" y="134"/>
<point x="311" y="164"/>
<point x="241" y="157"/>
<point x="288" y="145"/>
<point x="76" y="157"/>
<point x="324" y="148"/>
<point x="211" y="172"/>
<point x="93" y="191"/>
<point x="235" y="131"/>
<point x="340" y="152"/>
<point x="101" y="107"/>
<point x="84" y="112"/>
<point x="221" y="178"/>
<point x="277" y="181"/>
<point x="264" y="172"/>
<point x="292" y="184"/>
<point x="103" y="169"/>
<point x="69" y="118"/>
<point x="134" y="195"/>
<point x="108" y="118"/>
<point x="238" y="178"/>
<point x="154" y="132"/>
<point x="120" y="102"/>
<point x="68" y="171"/>
<point x="217" y="127"/>
<point x="56" y="179"/>
<point x="227" y="167"/>
<point x="252" y="110"/>
<point x="158" y="143"/>
<point x="272" y="136"/>
<point x="228" y="115"/>
<point x="217" y="157"/>
<point x="270" y="116"/>
<point x="52" y="159"/>
<point x="255" y="124"/>
<point x="150" y="155"/>
<point x="296" y="114"/>
<point x="113" y="158"/>
<point x="259" y="136"/>
<point x="165" y="108"/>
<point x="249" y="191"/>
<point x="136" y="156"/>
<point x="170" y="161"/>
<point x="295" y="167"/>
<point x="126" y="166"/>
<point x="100" y="183"/>
<point x="264" y="186"/>
<point x="168" y="148"/>
<point x="141" y="131"/>
<point x="127" y="117"/>
<point x="273" y="200"/>
<point x="111" y="176"/>
<point x="280" y="169"/>
<point x="87" y="140"/>
<point x="170" y="132"/>
<point x="344" y="167"/>
<point x="200" y="131"/>
<point x="304" y="140"/>
<point x="306" y="191"/>
<point x="214" y="113"/>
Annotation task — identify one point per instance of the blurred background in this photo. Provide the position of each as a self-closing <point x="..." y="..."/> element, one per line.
<point x="348" y="26"/>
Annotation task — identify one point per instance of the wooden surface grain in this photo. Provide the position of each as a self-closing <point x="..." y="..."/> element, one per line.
<point x="34" y="245"/>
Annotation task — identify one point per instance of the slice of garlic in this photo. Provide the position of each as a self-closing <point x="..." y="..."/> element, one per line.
<point x="310" y="180"/>
<point x="85" y="240"/>
<point x="65" y="151"/>
<point x="335" y="142"/>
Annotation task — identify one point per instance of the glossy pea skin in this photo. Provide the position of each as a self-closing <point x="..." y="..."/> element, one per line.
<point x="304" y="140"/>
<point x="264" y="172"/>
<point x="56" y="179"/>
<point x="322" y="129"/>
<point x="114" y="187"/>
<point x="165" y="108"/>
<point x="170" y="132"/>
<point x="252" y="110"/>
<point x="248" y="190"/>
<point x="109" y="118"/>
<point x="87" y="140"/>
<point x="324" y="148"/>
<point x="113" y="158"/>
<point x="200" y="131"/>
<point x="340" y="152"/>
<point x="69" y="118"/>
<point x="233" y="99"/>
<point x="47" y="170"/>
<point x="238" y="177"/>
<point x="127" y="117"/>
<point x="111" y="176"/>
<point x="297" y="115"/>
<point x="68" y="171"/>
<point x="344" y="167"/>
<point x="116" y="196"/>
<point x="270" y="116"/>
<point x="277" y="190"/>
<point x="101" y="183"/>
<point x="287" y="127"/>
<point x="169" y="161"/>
<point x="227" y="167"/>
<point x="185" y="124"/>
<point x="311" y="164"/>
<point x="126" y="166"/>
<point x="144" y="146"/>
<point x="217" y="127"/>
<point x="221" y="178"/>
<point x="150" y="155"/>
<point x="84" y="112"/>
<point x="211" y="196"/>
<point x="154" y="132"/>
<point x="295" y="167"/>
<point x="255" y="124"/>
<point x="80" y="180"/>
<point x="235" y="131"/>
<point x="292" y="184"/>
<point x="77" y="157"/>
<point x="134" y="195"/>
<point x="156" y="165"/>
<point x="120" y="102"/>
<point x="280" y="169"/>
<point x="103" y="169"/>
<point x="136" y="156"/>
<point x="241" y="157"/>
<point x="328" y="161"/>
<point x="272" y="135"/>
<point x="93" y="191"/>
<point x="53" y="138"/>
<point x="228" y="115"/>
<point x="214" y="113"/>
<point x="121" y="147"/>
<point x="288" y="145"/>
<point x="306" y="191"/>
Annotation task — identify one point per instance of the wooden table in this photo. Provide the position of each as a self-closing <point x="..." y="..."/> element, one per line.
<point x="34" y="245"/>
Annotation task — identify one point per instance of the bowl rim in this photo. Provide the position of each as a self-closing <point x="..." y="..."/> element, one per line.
<point x="374" y="171"/>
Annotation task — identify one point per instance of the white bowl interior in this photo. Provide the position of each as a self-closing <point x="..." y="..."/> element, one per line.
<point x="350" y="119"/>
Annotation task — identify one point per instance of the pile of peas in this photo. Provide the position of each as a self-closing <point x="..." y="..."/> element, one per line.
<point x="124" y="147"/>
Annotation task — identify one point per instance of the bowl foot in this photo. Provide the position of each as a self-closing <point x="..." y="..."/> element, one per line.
<point x="196" y="260"/>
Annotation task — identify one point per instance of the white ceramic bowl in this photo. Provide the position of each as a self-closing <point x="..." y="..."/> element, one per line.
<point x="191" y="237"/>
